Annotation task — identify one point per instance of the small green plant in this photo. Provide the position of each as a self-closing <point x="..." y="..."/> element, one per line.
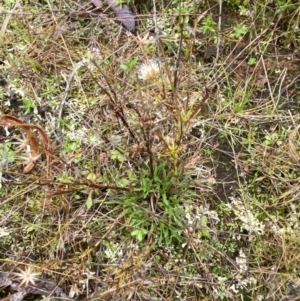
<point x="270" y="139"/>
<point x="239" y="31"/>
<point x="237" y="3"/>
<point x="117" y="155"/>
<point x="7" y="155"/>
<point x="71" y="145"/>
<point x="244" y="11"/>
<point x="252" y="61"/>
<point x="154" y="206"/>
<point x="285" y="6"/>
<point x="28" y="105"/>
<point x="209" y="25"/>
<point x="127" y="66"/>
<point x="175" y="25"/>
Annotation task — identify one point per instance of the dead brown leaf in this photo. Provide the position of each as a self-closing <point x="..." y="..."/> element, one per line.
<point x="8" y="120"/>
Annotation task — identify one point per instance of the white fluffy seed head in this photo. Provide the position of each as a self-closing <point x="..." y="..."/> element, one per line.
<point x="149" y="71"/>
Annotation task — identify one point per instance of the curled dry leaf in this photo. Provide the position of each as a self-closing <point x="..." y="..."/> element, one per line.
<point x="7" y="120"/>
<point x="122" y="11"/>
<point x="28" y="167"/>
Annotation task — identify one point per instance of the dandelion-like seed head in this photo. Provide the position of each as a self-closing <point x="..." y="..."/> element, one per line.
<point x="149" y="71"/>
<point x="27" y="276"/>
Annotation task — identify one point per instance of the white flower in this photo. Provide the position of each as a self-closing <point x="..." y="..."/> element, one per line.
<point x="27" y="276"/>
<point x="149" y="70"/>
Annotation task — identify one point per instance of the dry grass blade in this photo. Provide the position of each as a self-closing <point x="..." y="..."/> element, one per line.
<point x="8" y="17"/>
<point x="115" y="289"/>
<point x="293" y="153"/>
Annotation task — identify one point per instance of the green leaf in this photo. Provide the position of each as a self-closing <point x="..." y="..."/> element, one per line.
<point x="139" y="234"/>
<point x="116" y="155"/>
<point x="251" y="61"/>
<point x="124" y="67"/>
<point x="89" y="201"/>
<point x="205" y="232"/>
